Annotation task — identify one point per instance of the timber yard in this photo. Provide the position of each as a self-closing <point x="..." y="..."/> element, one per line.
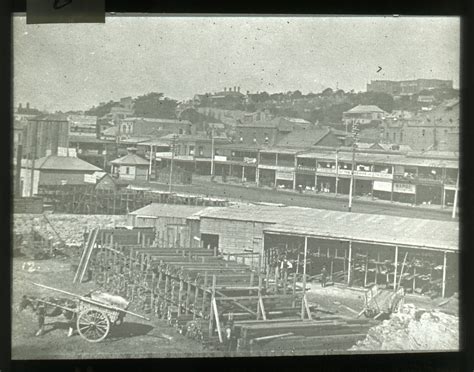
<point x="225" y="222"/>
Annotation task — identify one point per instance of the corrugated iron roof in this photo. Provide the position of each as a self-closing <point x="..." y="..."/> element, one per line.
<point x="64" y="163"/>
<point x="343" y="225"/>
<point x="372" y="228"/>
<point x="130" y="159"/>
<point x="168" y="210"/>
<point x="303" y="138"/>
<point x="359" y="109"/>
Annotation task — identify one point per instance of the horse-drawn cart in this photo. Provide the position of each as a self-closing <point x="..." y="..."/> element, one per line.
<point x="95" y="313"/>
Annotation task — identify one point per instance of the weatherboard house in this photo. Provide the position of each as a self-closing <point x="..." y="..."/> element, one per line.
<point x="130" y="167"/>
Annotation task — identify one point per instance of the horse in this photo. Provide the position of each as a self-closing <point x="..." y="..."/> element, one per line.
<point x="50" y="310"/>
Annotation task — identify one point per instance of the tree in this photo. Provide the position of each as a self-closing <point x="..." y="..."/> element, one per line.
<point x="155" y="105"/>
<point x="296" y="94"/>
<point x="327" y="92"/>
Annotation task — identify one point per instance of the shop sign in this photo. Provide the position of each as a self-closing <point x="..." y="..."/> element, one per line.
<point x="383" y="186"/>
<point x="286" y="176"/>
<point x="404" y="188"/>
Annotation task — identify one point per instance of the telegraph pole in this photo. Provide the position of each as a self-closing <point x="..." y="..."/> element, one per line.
<point x="33" y="157"/>
<point x="212" y="152"/>
<point x="172" y="160"/>
<point x="337" y="169"/>
<point x="355" y="135"/>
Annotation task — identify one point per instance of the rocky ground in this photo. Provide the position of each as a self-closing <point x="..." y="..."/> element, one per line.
<point x="64" y="228"/>
<point x="413" y="329"/>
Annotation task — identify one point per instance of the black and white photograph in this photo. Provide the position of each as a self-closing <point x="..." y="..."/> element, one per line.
<point x="239" y="186"/>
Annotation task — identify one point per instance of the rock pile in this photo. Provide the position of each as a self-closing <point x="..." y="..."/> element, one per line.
<point x="413" y="329"/>
<point x="69" y="227"/>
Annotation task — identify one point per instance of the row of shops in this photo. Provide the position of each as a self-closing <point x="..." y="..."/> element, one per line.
<point x="398" y="178"/>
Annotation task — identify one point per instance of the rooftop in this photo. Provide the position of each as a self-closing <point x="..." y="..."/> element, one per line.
<point x="360" y="109"/>
<point x="130" y="159"/>
<point x="373" y="228"/>
<point x="168" y="210"/>
<point x="304" y="137"/>
<point x="65" y="163"/>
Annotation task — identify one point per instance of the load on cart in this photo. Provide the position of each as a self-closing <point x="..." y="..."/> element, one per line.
<point x="93" y="314"/>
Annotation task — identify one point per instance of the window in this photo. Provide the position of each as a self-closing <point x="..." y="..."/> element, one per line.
<point x="180" y="131"/>
<point x="200" y="151"/>
<point x="267" y="139"/>
<point x="423" y="132"/>
<point x="191" y="150"/>
<point x="127" y="170"/>
<point x="394" y="137"/>
<point x="401" y="136"/>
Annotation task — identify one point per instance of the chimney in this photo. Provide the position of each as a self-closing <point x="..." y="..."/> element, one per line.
<point x="238" y="89"/>
<point x="248" y="92"/>
<point x="225" y="89"/>
<point x="27" y="105"/>
<point x="235" y="88"/>
<point x="19" y="106"/>
<point x="230" y="89"/>
<point x="132" y="150"/>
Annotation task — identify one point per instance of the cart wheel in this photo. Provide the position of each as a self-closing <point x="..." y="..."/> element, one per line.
<point x="93" y="325"/>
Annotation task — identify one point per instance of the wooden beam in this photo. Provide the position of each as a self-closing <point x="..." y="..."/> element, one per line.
<point x="395" y="269"/>
<point x="443" y="287"/>
<point x="304" y="275"/>
<point x="349" y="266"/>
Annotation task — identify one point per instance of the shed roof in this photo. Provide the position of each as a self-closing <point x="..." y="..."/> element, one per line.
<point x="130" y="159"/>
<point x="373" y="228"/>
<point x="168" y="210"/>
<point x="359" y="109"/>
<point x="304" y="138"/>
<point x="64" y="163"/>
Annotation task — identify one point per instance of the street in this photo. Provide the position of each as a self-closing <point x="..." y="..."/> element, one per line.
<point x="204" y="186"/>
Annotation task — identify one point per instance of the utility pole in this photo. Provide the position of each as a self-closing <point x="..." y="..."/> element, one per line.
<point x="337" y="169"/>
<point x="212" y="152"/>
<point x="33" y="157"/>
<point x="355" y="135"/>
<point x="150" y="166"/>
<point x="455" y="204"/>
<point x="172" y="161"/>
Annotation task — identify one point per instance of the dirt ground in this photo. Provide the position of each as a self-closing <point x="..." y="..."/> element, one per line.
<point x="136" y="338"/>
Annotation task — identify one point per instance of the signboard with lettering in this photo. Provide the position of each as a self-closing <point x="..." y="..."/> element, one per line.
<point x="286" y="176"/>
<point x="388" y="176"/>
<point x="220" y="158"/>
<point x="383" y="186"/>
<point x="326" y="171"/>
<point x="344" y="172"/>
<point x="404" y="188"/>
<point x="250" y="160"/>
<point x="363" y="173"/>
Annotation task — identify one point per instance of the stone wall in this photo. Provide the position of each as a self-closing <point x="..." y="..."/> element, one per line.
<point x="69" y="227"/>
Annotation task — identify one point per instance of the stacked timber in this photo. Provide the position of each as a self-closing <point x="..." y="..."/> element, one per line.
<point x="311" y="335"/>
<point x="221" y="303"/>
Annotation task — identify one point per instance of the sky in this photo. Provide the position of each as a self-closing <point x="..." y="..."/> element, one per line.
<point x="76" y="66"/>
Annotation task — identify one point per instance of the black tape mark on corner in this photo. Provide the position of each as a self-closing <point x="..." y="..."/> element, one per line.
<point x="65" y="11"/>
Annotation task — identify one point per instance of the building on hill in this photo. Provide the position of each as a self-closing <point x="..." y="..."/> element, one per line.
<point x="437" y="129"/>
<point x="407" y="87"/>
<point x="82" y="125"/>
<point x="140" y="127"/>
<point x="130" y="167"/>
<point x="363" y="115"/>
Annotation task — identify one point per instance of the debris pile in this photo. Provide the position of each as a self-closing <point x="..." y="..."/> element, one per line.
<point x="63" y="228"/>
<point x="413" y="329"/>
